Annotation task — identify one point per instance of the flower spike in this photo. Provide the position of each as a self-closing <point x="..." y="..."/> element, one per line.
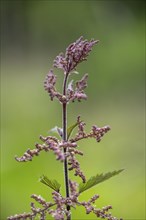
<point x="75" y="54"/>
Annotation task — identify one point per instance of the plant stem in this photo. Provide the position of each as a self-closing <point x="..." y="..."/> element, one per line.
<point x="64" y="122"/>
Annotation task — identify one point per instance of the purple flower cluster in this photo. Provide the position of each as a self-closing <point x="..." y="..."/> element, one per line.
<point x="95" y="132"/>
<point x="75" y="53"/>
<point x="77" y="93"/>
<point x="75" y="165"/>
<point x="60" y="212"/>
<point x="34" y="210"/>
<point x="41" y="201"/>
<point x="57" y="146"/>
<point x="20" y="216"/>
<point x="51" y="143"/>
<point x="72" y="94"/>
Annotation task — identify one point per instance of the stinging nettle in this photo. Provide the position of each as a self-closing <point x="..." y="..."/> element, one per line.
<point x="66" y="147"/>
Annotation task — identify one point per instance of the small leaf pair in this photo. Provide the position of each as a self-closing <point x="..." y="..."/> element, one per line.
<point x="94" y="180"/>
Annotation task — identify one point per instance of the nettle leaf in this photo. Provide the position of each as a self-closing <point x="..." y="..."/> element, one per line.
<point x="94" y="180"/>
<point x="70" y="129"/>
<point x="53" y="184"/>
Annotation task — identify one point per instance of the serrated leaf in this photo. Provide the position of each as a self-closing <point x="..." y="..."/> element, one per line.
<point x="53" y="184"/>
<point x="94" y="180"/>
<point x="70" y="129"/>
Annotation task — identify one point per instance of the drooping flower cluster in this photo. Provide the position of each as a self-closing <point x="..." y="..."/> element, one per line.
<point x="51" y="143"/>
<point x="57" y="146"/>
<point x="75" y="53"/>
<point x="60" y="212"/>
<point x="42" y="212"/>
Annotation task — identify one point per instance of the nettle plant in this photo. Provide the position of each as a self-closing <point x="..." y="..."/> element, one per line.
<point x="66" y="147"/>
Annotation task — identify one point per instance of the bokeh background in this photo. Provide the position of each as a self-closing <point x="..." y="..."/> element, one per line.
<point x="32" y="34"/>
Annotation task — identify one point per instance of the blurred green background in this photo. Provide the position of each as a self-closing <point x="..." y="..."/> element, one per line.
<point x="32" y="34"/>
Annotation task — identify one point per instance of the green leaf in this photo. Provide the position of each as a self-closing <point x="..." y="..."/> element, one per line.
<point x="94" y="180"/>
<point x="70" y="129"/>
<point x="53" y="184"/>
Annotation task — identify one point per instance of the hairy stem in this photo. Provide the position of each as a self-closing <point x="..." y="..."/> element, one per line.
<point x="64" y="121"/>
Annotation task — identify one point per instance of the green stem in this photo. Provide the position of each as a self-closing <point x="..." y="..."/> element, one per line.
<point x="64" y="122"/>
